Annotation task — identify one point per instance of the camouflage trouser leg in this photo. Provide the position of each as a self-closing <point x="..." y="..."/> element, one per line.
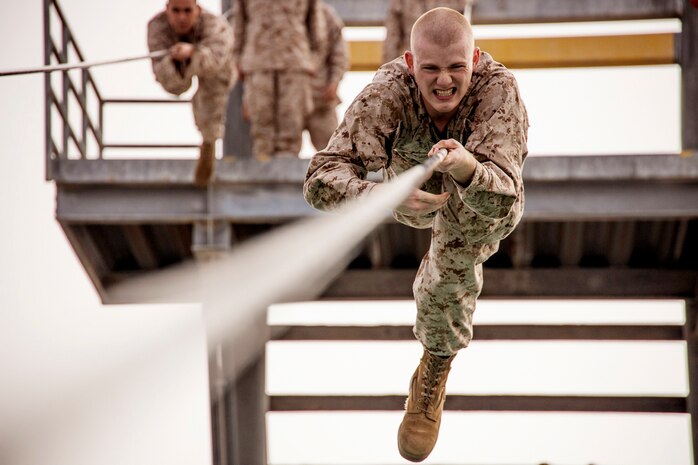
<point x="259" y="99"/>
<point x="209" y="104"/>
<point x="447" y="285"/>
<point x="293" y="106"/>
<point x="321" y="124"/>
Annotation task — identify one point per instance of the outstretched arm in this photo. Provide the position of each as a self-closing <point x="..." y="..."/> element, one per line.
<point x="358" y="145"/>
<point x="212" y="52"/>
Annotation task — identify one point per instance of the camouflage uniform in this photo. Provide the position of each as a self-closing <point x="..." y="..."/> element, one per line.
<point x="387" y="127"/>
<point x="401" y="16"/>
<point x="333" y="61"/>
<point x="212" y="63"/>
<point x="274" y="41"/>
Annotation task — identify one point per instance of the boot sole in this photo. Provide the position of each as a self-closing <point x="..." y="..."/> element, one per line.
<point x="412" y="458"/>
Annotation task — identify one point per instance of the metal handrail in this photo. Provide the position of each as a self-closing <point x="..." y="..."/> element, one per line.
<point x="150" y="146"/>
<point x="144" y="100"/>
<point x="59" y="101"/>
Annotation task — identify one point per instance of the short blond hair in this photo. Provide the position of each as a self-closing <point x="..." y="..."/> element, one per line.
<point x="443" y="26"/>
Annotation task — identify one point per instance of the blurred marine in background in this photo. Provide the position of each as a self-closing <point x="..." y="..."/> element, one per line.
<point x="275" y="44"/>
<point x="201" y="45"/>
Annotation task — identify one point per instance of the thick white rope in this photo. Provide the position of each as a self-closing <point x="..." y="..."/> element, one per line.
<point x="291" y="263"/>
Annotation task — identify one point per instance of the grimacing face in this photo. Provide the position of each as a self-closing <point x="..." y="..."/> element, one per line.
<point x="442" y="74"/>
<point x="183" y="15"/>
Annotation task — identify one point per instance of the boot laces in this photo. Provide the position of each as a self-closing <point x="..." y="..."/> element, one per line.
<point x="433" y="371"/>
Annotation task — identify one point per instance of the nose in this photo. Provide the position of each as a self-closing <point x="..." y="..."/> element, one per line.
<point x="444" y="78"/>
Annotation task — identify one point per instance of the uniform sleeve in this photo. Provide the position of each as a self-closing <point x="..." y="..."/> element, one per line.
<point x="499" y="143"/>
<point x="338" y="58"/>
<point x="493" y="200"/>
<point x="157" y="38"/>
<point x="393" y="30"/>
<point x="165" y="69"/>
<point x="338" y="173"/>
<point x="214" y="48"/>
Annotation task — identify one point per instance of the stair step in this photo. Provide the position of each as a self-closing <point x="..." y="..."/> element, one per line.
<point x="485" y="403"/>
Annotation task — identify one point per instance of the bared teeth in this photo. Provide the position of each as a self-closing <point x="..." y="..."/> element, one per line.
<point x="443" y="93"/>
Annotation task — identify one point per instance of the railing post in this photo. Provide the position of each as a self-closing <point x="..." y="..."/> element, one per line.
<point x="238" y="411"/>
<point x="100" y="142"/>
<point x="689" y="78"/>
<point x="65" y="37"/>
<point x="689" y="145"/>
<point x="252" y="404"/>
<point x="691" y="336"/>
<point x="83" y="110"/>
<point x="237" y="140"/>
<point x="48" y="144"/>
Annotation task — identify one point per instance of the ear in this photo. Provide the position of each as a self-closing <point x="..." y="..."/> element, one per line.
<point x="409" y="59"/>
<point x="476" y="57"/>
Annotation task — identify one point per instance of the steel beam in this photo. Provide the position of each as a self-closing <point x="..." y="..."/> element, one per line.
<point x="211" y="238"/>
<point x="169" y="173"/>
<point x="485" y="403"/>
<point x="238" y="408"/>
<point x="485" y="333"/>
<point x="151" y="172"/>
<point x="691" y="336"/>
<point x="127" y="205"/>
<point x="589" y="51"/>
<point x="547" y="11"/>
<point x="88" y="254"/>
<point x="372" y="12"/>
<point x="239" y="418"/>
<point x="237" y="141"/>
<point x="557" y="188"/>
<point x="551" y="52"/>
<point x="141" y="248"/>
<point x="689" y="79"/>
<point x="528" y="283"/>
<point x="610" y="200"/>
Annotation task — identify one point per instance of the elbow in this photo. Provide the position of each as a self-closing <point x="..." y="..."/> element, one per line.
<point x="494" y="229"/>
<point x="507" y="224"/>
<point x="312" y="194"/>
<point x="493" y="206"/>
<point x="501" y="207"/>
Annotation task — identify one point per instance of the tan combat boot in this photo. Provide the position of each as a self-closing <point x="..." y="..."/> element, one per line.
<point x="204" y="167"/>
<point x="425" y="403"/>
